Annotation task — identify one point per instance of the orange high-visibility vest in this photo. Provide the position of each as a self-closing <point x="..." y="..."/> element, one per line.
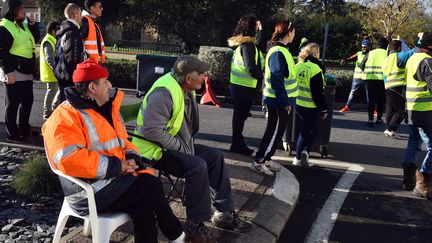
<point x="79" y="141"/>
<point x="90" y="43"/>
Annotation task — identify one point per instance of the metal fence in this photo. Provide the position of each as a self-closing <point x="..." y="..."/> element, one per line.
<point x="146" y="47"/>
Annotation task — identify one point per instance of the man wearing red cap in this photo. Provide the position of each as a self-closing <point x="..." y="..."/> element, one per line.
<point x="85" y="137"/>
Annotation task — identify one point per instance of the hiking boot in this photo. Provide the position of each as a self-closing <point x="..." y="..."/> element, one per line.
<point x="230" y="221"/>
<point x="423" y="185"/>
<point x="273" y="166"/>
<point x="345" y="109"/>
<point x="198" y="233"/>
<point x="409" y="179"/>
<point x="370" y="123"/>
<point x="261" y="168"/>
<point x="304" y="159"/>
<point x="241" y="150"/>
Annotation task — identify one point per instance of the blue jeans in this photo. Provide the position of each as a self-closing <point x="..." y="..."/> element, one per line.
<point x="417" y="135"/>
<point x="355" y="86"/>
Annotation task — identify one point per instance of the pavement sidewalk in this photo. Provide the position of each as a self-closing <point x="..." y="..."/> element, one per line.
<point x="265" y="201"/>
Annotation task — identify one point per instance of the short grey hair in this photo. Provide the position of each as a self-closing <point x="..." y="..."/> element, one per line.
<point x="179" y="78"/>
<point x="71" y="9"/>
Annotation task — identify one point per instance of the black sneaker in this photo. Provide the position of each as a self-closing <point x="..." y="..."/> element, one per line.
<point x="230" y="221"/>
<point x="241" y="150"/>
<point x="370" y="123"/>
<point x="379" y="122"/>
<point x="198" y="233"/>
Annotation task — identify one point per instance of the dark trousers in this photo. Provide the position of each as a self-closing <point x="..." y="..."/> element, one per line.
<point x="276" y="123"/>
<point x="376" y="97"/>
<point x="205" y="173"/>
<point x="240" y="114"/>
<point x="395" y="107"/>
<point x="19" y="101"/>
<point x="308" y="128"/>
<point x="145" y="202"/>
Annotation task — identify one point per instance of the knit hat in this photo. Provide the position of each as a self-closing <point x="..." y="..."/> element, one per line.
<point x="187" y="64"/>
<point x="425" y="41"/>
<point x="88" y="71"/>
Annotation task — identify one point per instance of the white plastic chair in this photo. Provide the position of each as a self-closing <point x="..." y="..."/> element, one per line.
<point x="102" y="225"/>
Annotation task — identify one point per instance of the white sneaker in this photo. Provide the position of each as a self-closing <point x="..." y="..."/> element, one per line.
<point x="285" y="145"/>
<point x="180" y="239"/>
<point x="304" y="159"/>
<point x="296" y="161"/>
<point x="273" y="166"/>
<point x="261" y="168"/>
<point x="388" y="133"/>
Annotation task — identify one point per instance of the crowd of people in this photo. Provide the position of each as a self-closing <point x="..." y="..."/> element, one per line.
<point x="85" y="135"/>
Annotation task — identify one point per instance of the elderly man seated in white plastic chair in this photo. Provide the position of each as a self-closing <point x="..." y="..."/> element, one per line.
<point x="85" y="137"/>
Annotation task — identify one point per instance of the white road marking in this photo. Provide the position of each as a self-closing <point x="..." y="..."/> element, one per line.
<point x="323" y="225"/>
<point x="286" y="187"/>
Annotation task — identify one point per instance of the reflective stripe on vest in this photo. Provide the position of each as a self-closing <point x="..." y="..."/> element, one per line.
<point x="358" y="73"/>
<point x="418" y="96"/>
<point x="90" y="43"/>
<point x="394" y="76"/>
<point x="149" y="149"/>
<point x="373" y="69"/>
<point x="239" y="75"/>
<point x="289" y="82"/>
<point x="46" y="72"/>
<point x="23" y="42"/>
<point x="305" y="71"/>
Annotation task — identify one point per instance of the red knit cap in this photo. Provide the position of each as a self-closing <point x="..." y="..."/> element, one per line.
<point x="89" y="71"/>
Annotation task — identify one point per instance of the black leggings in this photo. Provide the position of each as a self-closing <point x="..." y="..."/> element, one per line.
<point x="395" y="107"/>
<point x="145" y="202"/>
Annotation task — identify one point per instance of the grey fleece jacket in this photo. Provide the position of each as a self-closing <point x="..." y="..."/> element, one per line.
<point x="157" y="115"/>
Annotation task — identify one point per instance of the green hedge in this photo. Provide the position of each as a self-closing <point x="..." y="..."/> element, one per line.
<point x="122" y="73"/>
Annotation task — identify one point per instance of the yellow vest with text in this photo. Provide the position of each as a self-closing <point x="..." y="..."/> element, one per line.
<point x="394" y="76"/>
<point x="239" y="75"/>
<point x="373" y="68"/>
<point x="418" y="96"/>
<point x="149" y="149"/>
<point x="305" y="71"/>
<point x="23" y="42"/>
<point x="46" y="72"/>
<point x="358" y="73"/>
<point x="290" y="81"/>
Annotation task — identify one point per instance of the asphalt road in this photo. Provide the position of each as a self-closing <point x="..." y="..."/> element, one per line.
<point x="374" y="210"/>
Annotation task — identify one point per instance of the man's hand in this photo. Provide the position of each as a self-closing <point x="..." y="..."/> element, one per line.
<point x="10" y="78"/>
<point x="342" y="62"/>
<point x="129" y="166"/>
<point x="287" y="108"/>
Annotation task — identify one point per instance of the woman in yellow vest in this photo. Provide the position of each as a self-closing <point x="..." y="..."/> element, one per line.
<point x="310" y="102"/>
<point x="47" y="53"/>
<point x="279" y="95"/>
<point x="246" y="75"/>
<point x="17" y="67"/>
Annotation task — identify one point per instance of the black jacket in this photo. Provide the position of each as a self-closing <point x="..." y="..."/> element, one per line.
<point x="9" y="62"/>
<point x="70" y="38"/>
<point x="247" y="45"/>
